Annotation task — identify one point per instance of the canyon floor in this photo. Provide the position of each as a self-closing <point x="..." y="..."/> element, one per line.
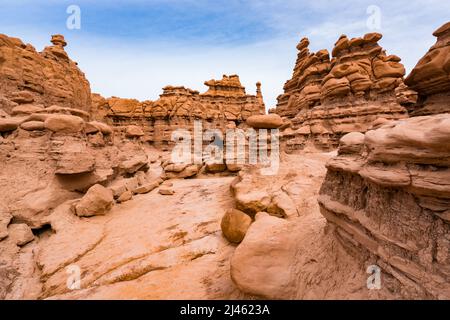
<point x="156" y="246"/>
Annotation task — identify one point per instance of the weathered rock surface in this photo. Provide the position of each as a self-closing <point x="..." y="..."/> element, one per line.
<point x="145" y="248"/>
<point x="97" y="201"/>
<point x="225" y="103"/>
<point x="48" y="77"/>
<point x="326" y="98"/>
<point x="431" y="77"/>
<point x="391" y="202"/>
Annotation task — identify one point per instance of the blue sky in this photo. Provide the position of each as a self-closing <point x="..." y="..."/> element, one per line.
<point x="133" y="48"/>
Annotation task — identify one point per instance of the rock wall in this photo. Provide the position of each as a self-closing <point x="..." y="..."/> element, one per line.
<point x="326" y="98"/>
<point x="387" y="194"/>
<point x="431" y="77"/>
<point x="224" y="105"/>
<point x="46" y="78"/>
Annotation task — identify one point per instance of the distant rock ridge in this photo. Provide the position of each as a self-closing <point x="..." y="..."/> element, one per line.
<point x="224" y="105"/>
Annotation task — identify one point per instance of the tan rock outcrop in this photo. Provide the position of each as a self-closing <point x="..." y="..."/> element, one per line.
<point x="431" y="77"/>
<point x="327" y="99"/>
<point x="20" y="234"/>
<point x="390" y="200"/>
<point x="97" y="201"/>
<point x="48" y="77"/>
<point x="223" y="104"/>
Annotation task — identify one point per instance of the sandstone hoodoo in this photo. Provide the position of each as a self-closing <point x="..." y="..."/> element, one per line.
<point x="431" y="76"/>
<point x="326" y="98"/>
<point x="340" y="192"/>
<point x="225" y="103"/>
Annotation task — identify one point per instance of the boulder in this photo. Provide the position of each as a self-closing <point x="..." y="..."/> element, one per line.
<point x="269" y="121"/>
<point x="75" y="163"/>
<point x="134" y="164"/>
<point x="146" y="188"/>
<point x="234" y="225"/>
<point x="97" y="201"/>
<point x="133" y="132"/>
<point x="215" y="167"/>
<point x="20" y="234"/>
<point x="124" y="197"/>
<point x="34" y="207"/>
<point x="8" y="124"/>
<point x="166" y="191"/>
<point x="259" y="264"/>
<point x="62" y="123"/>
<point x="33" y="126"/>
<point x="96" y="126"/>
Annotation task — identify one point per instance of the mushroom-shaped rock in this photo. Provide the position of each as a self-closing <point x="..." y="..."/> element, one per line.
<point x="234" y="225"/>
<point x="268" y="121"/>
<point x="97" y="201"/>
<point x="58" y="40"/>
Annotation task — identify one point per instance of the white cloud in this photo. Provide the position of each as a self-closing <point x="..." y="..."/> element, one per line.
<point x="128" y="68"/>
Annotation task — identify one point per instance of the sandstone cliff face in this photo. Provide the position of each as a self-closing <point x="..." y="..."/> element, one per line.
<point x="47" y="78"/>
<point x="431" y="77"/>
<point x="327" y="99"/>
<point x="387" y="194"/>
<point x="224" y="104"/>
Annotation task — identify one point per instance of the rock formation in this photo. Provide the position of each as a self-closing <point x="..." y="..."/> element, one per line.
<point x="431" y="77"/>
<point x="224" y="104"/>
<point x="41" y="78"/>
<point x="327" y="99"/>
<point x="94" y="186"/>
<point x="388" y="197"/>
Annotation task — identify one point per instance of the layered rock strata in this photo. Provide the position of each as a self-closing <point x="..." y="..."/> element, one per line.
<point x="326" y="98"/>
<point x="387" y="194"/>
<point x="431" y="77"/>
<point x="224" y="105"/>
<point x="42" y="78"/>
